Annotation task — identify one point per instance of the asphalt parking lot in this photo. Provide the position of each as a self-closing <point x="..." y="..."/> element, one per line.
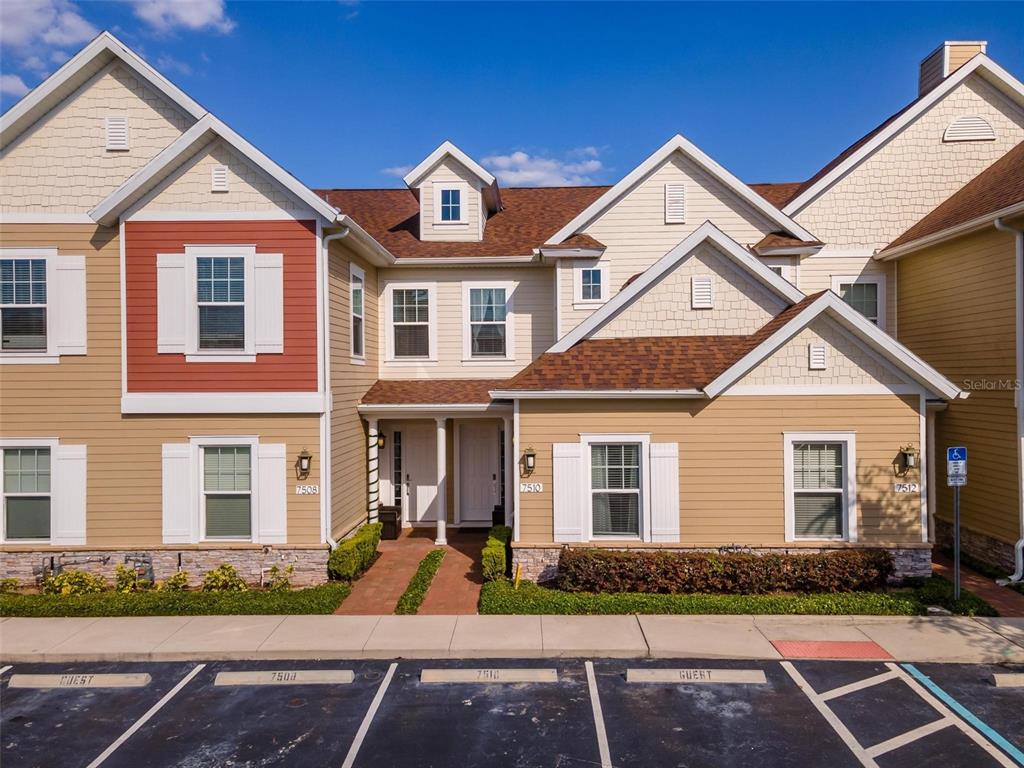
<point x="537" y="712"/>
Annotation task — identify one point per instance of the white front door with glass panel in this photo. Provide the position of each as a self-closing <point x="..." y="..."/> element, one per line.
<point x="478" y="469"/>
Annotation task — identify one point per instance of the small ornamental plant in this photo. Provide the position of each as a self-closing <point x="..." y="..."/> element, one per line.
<point x="126" y="579"/>
<point x="176" y="583"/>
<point x="223" y="578"/>
<point x="73" y="582"/>
<point x="8" y="586"/>
<point x="279" y="579"/>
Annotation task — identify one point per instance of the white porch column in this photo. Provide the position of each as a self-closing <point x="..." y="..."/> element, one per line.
<point x="373" y="496"/>
<point x="510" y="467"/>
<point x="442" y="481"/>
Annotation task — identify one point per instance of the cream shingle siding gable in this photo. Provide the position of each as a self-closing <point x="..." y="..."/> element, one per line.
<point x="249" y="188"/>
<point x="62" y="165"/>
<point x="451" y="171"/>
<point x="815" y="274"/>
<point x="741" y="304"/>
<point x="915" y="171"/>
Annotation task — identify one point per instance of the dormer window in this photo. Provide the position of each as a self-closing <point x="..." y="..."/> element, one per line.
<point x="451" y="205"/>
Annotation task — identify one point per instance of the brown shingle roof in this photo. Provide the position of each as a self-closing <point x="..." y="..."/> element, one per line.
<point x="777" y="194"/>
<point x="998" y="186"/>
<point x="782" y="240"/>
<point x="529" y="217"/>
<point x="432" y="392"/>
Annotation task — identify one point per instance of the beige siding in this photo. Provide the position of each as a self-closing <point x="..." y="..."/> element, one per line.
<point x="61" y="165"/>
<point x="78" y="402"/>
<point x="815" y="273"/>
<point x="742" y="305"/>
<point x="349" y="382"/>
<point x="447" y="171"/>
<point x="731" y="459"/>
<point x="957" y="311"/>
<point x="915" y="171"/>
<point x="961" y="53"/>
<point x="533" y="317"/>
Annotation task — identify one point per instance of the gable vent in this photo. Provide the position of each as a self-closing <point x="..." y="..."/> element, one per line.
<point x="969" y="128"/>
<point x="702" y="294"/>
<point x="675" y="204"/>
<point x="817" y="357"/>
<point x="117" y="133"/>
<point x="219" y="178"/>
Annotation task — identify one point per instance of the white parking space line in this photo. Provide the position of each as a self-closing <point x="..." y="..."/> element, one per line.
<point x="489" y="676"/>
<point x="146" y="717"/>
<point x="697" y="676"/>
<point x="357" y="742"/>
<point x="4" y="669"/>
<point x="285" y="677"/>
<point x="910" y="736"/>
<point x="860" y="685"/>
<point x="595" y="703"/>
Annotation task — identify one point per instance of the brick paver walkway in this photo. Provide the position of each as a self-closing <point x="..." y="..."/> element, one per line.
<point x="378" y="590"/>
<point x="1006" y="601"/>
<point x="455" y="589"/>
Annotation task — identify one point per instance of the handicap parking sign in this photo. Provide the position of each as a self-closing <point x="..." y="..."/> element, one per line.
<point x="956" y="466"/>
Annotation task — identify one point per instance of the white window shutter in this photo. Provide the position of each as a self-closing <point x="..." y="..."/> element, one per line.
<point x="269" y="297"/>
<point x="219" y="178"/>
<point x="675" y="203"/>
<point x="817" y="357"/>
<point x="180" y="526"/>
<point x="271" y="494"/>
<point x="702" y="292"/>
<point x="117" y="132"/>
<point x="67" y="502"/>
<point x="67" y="304"/>
<point x="665" y="492"/>
<point x="171" y="302"/>
<point x="567" y="491"/>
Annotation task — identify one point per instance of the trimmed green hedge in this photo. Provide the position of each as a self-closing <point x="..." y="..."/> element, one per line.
<point x="350" y="559"/>
<point x="496" y="554"/>
<point x="938" y="590"/>
<point x="411" y="599"/>
<point x="324" y="598"/>
<point x="602" y="570"/>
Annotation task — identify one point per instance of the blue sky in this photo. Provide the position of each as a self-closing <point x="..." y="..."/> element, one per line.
<point x="350" y="94"/>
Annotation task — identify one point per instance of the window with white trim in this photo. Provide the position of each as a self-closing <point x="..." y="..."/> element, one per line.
<point x="220" y="300"/>
<point x="590" y="284"/>
<point x="819" y="489"/>
<point x="357" y="292"/>
<point x="410" y="321"/>
<point x="615" y="489"/>
<point x="227" y="491"/>
<point x="865" y="293"/>
<point x="26" y="493"/>
<point x="23" y="305"/>
<point x="451" y="204"/>
<point x="488" y="318"/>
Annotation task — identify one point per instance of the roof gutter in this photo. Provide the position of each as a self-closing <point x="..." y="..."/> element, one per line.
<point x="375" y="253"/>
<point x="981" y="222"/>
<point x="569" y="253"/>
<point x="594" y="394"/>
<point x="463" y="261"/>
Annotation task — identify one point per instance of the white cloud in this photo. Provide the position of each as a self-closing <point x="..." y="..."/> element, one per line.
<point x="396" y="170"/>
<point x="168" y="15"/>
<point x="12" y="85"/>
<point x="523" y="169"/>
<point x="31" y="28"/>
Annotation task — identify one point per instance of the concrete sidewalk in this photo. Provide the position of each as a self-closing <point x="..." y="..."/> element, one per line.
<point x="177" y="638"/>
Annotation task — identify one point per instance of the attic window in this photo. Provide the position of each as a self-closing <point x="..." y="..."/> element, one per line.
<point x="817" y="357"/>
<point x="117" y="133"/>
<point x="969" y="128"/>
<point x="702" y="294"/>
<point x="451" y="205"/>
<point x="675" y="204"/>
<point x="219" y="178"/>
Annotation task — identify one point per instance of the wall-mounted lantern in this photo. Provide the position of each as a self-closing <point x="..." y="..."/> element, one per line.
<point x="381" y="440"/>
<point x="529" y="461"/>
<point x="908" y="459"/>
<point x="304" y="463"/>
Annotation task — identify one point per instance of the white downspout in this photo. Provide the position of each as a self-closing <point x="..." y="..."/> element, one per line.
<point x="1018" y="572"/>
<point x="325" y="458"/>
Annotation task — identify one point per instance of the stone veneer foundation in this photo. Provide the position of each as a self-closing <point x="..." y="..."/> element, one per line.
<point x="540" y="563"/>
<point x="978" y="545"/>
<point x="310" y="563"/>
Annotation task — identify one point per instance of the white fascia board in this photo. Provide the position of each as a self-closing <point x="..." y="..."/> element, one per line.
<point x="706" y="232"/>
<point x="967" y="227"/>
<point x="571" y="253"/>
<point x="374" y="252"/>
<point x="54" y="88"/>
<point x="980" y="63"/>
<point x="680" y="144"/>
<point x="467" y="261"/>
<point x="222" y="402"/>
<point x="593" y="394"/>
<point x="413" y="177"/>
<point x="139" y="184"/>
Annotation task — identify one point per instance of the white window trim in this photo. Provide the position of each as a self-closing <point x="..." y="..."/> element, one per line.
<point x="199" y="493"/>
<point x="463" y="190"/>
<point x="389" y="335"/>
<point x="877" y="279"/>
<point x="849" y="441"/>
<point x="28" y="442"/>
<point x="192" y="352"/>
<point x="354" y="273"/>
<point x="577" y="285"/>
<point x="467" y="339"/>
<point x="37" y="356"/>
<point x="644" y="439"/>
<point x="789" y="265"/>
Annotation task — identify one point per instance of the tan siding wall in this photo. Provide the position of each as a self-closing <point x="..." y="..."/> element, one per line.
<point x="731" y="459"/>
<point x="78" y="402"/>
<point x="61" y="165"/>
<point x="450" y="170"/>
<point x="961" y="53"/>
<point x="532" y="307"/>
<point x="957" y="311"/>
<point x="915" y="171"/>
<point x="349" y="382"/>
<point x="815" y="274"/>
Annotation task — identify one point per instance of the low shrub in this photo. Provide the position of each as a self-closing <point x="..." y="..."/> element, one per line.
<point x="938" y="590"/>
<point x="496" y="554"/>
<point x="223" y="578"/>
<point x="279" y="579"/>
<point x="350" y="559"/>
<point x="176" y="583"/>
<point x="7" y="586"/>
<point x="126" y="579"/>
<point x="73" y="582"/>
<point x="411" y="599"/>
<point x="600" y="570"/>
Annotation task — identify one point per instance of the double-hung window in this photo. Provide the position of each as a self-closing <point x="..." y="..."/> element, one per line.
<point x="615" y="489"/>
<point x="865" y="293"/>
<point x="358" y="313"/>
<point x="488" y="316"/>
<point x="451" y="205"/>
<point x="26" y="493"/>
<point x="410" y="320"/>
<point x="220" y="296"/>
<point x="23" y="305"/>
<point x="820" y="487"/>
<point x="227" y="492"/>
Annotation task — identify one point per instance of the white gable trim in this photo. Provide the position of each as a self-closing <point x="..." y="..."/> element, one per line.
<point x="852" y="321"/>
<point x="706" y="232"/>
<point x="980" y="63"/>
<point x="415" y="176"/>
<point x="188" y="144"/>
<point x="61" y="83"/>
<point x="679" y="144"/>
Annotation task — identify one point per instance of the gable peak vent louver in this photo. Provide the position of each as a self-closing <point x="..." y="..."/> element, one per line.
<point x="969" y="128"/>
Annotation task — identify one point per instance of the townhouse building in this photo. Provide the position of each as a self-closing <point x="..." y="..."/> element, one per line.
<point x="205" y="361"/>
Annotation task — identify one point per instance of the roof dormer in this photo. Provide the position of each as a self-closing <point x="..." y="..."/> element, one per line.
<point x="456" y="195"/>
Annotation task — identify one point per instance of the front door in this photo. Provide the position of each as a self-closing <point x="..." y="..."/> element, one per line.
<point x="478" y="469"/>
<point x="419" y="469"/>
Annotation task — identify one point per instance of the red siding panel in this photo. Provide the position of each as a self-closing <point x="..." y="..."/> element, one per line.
<point x="293" y="371"/>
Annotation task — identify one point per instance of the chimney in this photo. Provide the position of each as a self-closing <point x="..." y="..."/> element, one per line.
<point x="945" y="60"/>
